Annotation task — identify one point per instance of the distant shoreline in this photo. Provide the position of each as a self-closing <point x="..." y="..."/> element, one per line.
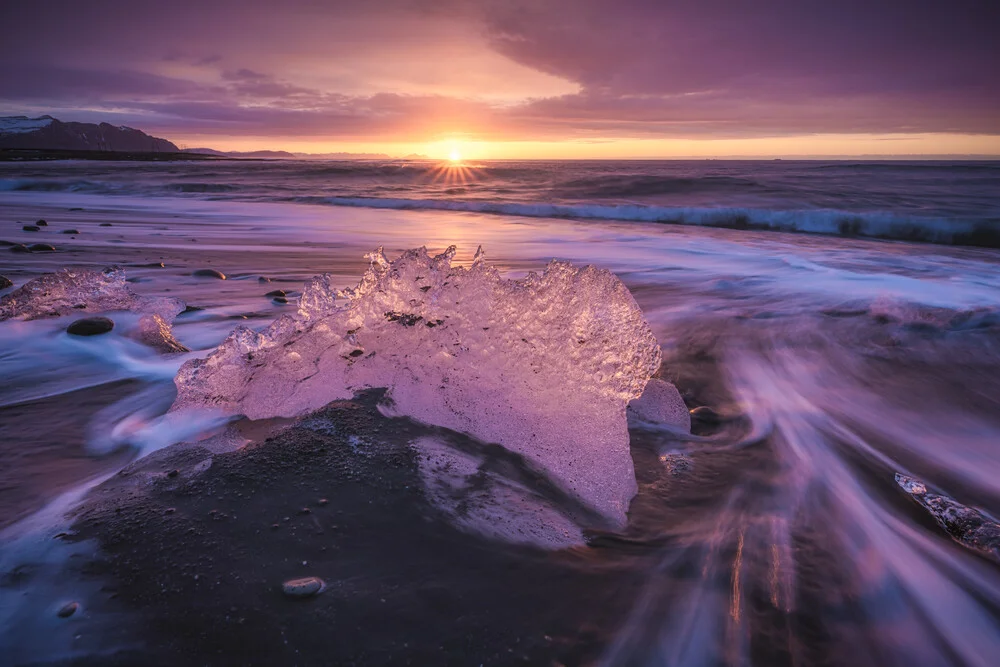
<point x="42" y="154"/>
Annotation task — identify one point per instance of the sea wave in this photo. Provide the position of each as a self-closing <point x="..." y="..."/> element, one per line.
<point x="877" y="225"/>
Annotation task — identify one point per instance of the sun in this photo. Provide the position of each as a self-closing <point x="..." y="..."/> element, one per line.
<point x="455" y="156"/>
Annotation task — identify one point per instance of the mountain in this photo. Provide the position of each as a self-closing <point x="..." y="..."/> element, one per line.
<point x="48" y="133"/>
<point x="343" y="156"/>
<point x="286" y="155"/>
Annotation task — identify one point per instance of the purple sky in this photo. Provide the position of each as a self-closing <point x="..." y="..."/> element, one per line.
<point x="599" y="71"/>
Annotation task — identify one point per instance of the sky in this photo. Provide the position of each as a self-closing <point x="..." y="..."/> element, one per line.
<point x="509" y="79"/>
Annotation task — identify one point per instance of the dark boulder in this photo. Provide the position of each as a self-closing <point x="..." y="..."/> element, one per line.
<point x="90" y="326"/>
<point x="41" y="223"/>
<point x="19" y="247"/>
<point x="41" y="247"/>
<point x="276" y="292"/>
<point x="5" y="282"/>
<point x="69" y="231"/>
<point x="30" y="228"/>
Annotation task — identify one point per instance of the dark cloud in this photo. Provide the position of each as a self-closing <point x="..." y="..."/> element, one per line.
<point x="644" y="68"/>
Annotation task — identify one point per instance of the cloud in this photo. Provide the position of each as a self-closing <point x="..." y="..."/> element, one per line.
<point x="586" y="70"/>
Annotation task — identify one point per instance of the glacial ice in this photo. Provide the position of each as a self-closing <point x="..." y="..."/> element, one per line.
<point x="543" y="366"/>
<point x="966" y="525"/>
<point x="82" y="290"/>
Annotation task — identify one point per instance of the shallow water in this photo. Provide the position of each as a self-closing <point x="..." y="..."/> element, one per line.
<point x="777" y="535"/>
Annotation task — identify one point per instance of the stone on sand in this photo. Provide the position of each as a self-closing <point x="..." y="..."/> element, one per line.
<point x="209" y="273"/>
<point x="68" y="609"/>
<point x="5" y="282"/>
<point x="303" y="588"/>
<point x="30" y="228"/>
<point x="41" y="247"/>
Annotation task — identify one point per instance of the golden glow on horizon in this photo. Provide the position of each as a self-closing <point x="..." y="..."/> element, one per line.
<point x="455" y="156"/>
<point x="829" y="145"/>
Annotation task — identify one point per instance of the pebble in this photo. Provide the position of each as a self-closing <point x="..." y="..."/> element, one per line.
<point x="19" y="247"/>
<point x="276" y="292"/>
<point x="30" y="228"/>
<point x="41" y="223"/>
<point x="263" y="279"/>
<point x="209" y="273"/>
<point x="41" y="247"/>
<point x="68" y="609"/>
<point x="69" y="231"/>
<point x="705" y="415"/>
<point x="303" y="588"/>
<point x="104" y="224"/>
<point x="280" y="300"/>
<point x="323" y="502"/>
<point x="173" y="473"/>
<point x="90" y="326"/>
<point x="5" y="282"/>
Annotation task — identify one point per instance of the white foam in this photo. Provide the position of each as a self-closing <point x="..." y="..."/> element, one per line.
<point x="543" y="366"/>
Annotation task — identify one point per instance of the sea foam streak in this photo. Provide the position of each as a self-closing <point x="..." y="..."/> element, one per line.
<point x="543" y="366"/>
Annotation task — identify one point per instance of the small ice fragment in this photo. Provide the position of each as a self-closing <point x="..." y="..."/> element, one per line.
<point x="661" y="403"/>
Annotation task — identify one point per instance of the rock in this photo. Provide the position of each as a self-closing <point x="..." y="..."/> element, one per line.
<point x="706" y="416"/>
<point x="263" y="279"/>
<point x="104" y="224"/>
<point x="19" y="247"/>
<point x="276" y="292"/>
<point x="5" y="282"/>
<point x="303" y="588"/>
<point x="69" y="231"/>
<point x="209" y="273"/>
<point x="68" y="609"/>
<point x="41" y="247"/>
<point x="323" y="502"/>
<point x="661" y="403"/>
<point x="191" y="309"/>
<point x="173" y="473"/>
<point x="30" y="228"/>
<point x="90" y="326"/>
<point x="7" y="243"/>
<point x="41" y="223"/>
<point x="280" y="300"/>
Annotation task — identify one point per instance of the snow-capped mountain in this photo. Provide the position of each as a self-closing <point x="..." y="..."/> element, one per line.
<point x="48" y="133"/>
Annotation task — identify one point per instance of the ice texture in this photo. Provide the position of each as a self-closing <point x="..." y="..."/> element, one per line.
<point x="82" y="290"/>
<point x="543" y="366"/>
<point x="966" y="525"/>
<point x="661" y="403"/>
<point x="480" y="501"/>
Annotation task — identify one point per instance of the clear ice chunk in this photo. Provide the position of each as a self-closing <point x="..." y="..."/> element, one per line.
<point x="966" y="525"/>
<point x="82" y="290"/>
<point x="543" y="366"/>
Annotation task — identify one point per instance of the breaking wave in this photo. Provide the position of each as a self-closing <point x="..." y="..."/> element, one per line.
<point x="824" y="221"/>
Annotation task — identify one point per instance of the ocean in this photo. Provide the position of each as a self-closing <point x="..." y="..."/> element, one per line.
<point x="935" y="202"/>
<point x="453" y="440"/>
